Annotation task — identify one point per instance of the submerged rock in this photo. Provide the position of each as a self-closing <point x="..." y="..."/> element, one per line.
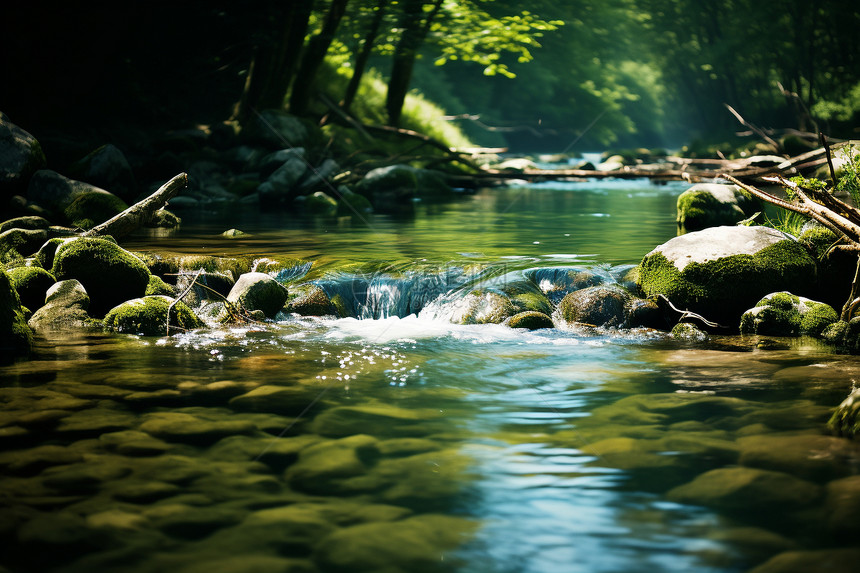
<point x="722" y="271"/>
<point x="711" y="205"/>
<point x="845" y="420"/>
<point x="149" y="316"/>
<point x="785" y="314"/>
<point x="109" y="273"/>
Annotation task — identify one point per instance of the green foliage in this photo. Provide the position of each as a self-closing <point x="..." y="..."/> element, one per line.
<point x="787" y="221"/>
<point x="849" y="180"/>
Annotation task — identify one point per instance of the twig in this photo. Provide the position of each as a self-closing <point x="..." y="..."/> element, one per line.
<point x="760" y="132"/>
<point x="181" y="296"/>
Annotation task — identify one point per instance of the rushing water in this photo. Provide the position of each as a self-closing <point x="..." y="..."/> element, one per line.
<point x="400" y="441"/>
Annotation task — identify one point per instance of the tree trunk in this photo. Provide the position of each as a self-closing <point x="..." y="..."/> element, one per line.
<point x="364" y="55"/>
<point x="274" y="63"/>
<point x="314" y="55"/>
<point x="414" y="33"/>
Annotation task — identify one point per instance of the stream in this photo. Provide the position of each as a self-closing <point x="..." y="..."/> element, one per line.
<point x="402" y="441"/>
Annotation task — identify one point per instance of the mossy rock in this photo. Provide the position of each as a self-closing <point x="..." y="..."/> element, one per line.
<point x="845" y="420"/>
<point x="485" y="307"/>
<point x="785" y="314"/>
<point x="15" y="244"/>
<point x="351" y="203"/>
<point x="320" y="203"/>
<point x="596" y="306"/>
<point x="530" y="320"/>
<point x="835" y="268"/>
<point x="31" y="283"/>
<point x="109" y="273"/>
<point x="16" y="338"/>
<point x="711" y="205"/>
<point x="313" y="301"/>
<point x="31" y="222"/>
<point x="721" y="272"/>
<point x="90" y="209"/>
<point x="259" y="291"/>
<point x="65" y="308"/>
<point x="148" y="316"/>
<point x="157" y="286"/>
<point x="689" y="332"/>
<point x="164" y="219"/>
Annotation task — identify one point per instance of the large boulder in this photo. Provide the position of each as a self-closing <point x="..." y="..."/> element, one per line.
<point x="785" y="314"/>
<point x="20" y="157"/>
<point x="721" y="272"/>
<point x="108" y="168"/>
<point x="149" y="316"/>
<point x="258" y="291"/>
<point x="30" y="223"/>
<point x="18" y="243"/>
<point x="91" y="208"/>
<point x="56" y="193"/>
<point x="596" y="306"/>
<point x="31" y="283"/>
<point x="109" y="273"/>
<point x="711" y="205"/>
<point x="282" y="183"/>
<point x="65" y="308"/>
<point x="15" y="337"/>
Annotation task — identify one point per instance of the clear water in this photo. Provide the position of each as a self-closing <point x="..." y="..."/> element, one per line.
<point x="408" y="443"/>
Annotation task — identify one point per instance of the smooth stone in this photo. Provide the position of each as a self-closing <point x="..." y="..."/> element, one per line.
<point x="322" y="466"/>
<point x="196" y="522"/>
<point x="275" y="452"/>
<point x="376" y="420"/>
<point x="144" y="492"/>
<point x="249" y="563"/>
<point x="289" y="400"/>
<point x="812" y="457"/>
<point x="34" y="460"/>
<point x="116" y="519"/>
<point x="84" y="476"/>
<point x="842" y="508"/>
<point x="181" y="427"/>
<point x="820" y="561"/>
<point x="95" y="421"/>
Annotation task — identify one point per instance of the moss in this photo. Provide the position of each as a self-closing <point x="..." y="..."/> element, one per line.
<point x="31" y="283"/>
<point x="109" y="273"/>
<point x="487" y="307"/>
<point x="157" y="286"/>
<point x="835" y="268"/>
<point x="343" y="310"/>
<point x="597" y="306"/>
<point x="785" y="314"/>
<point x="721" y="290"/>
<point x="817" y="318"/>
<point x="89" y="209"/>
<point x="687" y="331"/>
<point x="237" y="266"/>
<point x="312" y="302"/>
<point x="15" y="244"/>
<point x="148" y="316"/>
<point x="16" y="338"/>
<point x="530" y="320"/>
<point x="699" y="208"/>
<point x="531" y="301"/>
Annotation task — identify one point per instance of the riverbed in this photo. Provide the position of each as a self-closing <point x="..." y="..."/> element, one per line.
<point x="399" y="441"/>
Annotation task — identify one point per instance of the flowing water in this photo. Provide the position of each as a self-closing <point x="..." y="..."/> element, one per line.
<point x="401" y="441"/>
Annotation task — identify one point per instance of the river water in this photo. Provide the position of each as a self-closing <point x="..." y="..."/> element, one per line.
<point x="400" y="441"/>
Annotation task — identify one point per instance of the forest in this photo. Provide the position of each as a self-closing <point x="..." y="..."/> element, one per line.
<point x="597" y="73"/>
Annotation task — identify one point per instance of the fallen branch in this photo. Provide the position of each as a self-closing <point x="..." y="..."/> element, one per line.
<point x="141" y="212"/>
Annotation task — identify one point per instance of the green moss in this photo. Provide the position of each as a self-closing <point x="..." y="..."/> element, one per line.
<point x="15" y="244"/>
<point x="31" y="283"/>
<point x="817" y="319"/>
<point x="313" y="301"/>
<point x="157" y="286"/>
<point x="148" y="316"/>
<point x="90" y="209"/>
<point x="343" y="310"/>
<point x="109" y="273"/>
<point x="237" y="266"/>
<point x="16" y="338"/>
<point x="530" y="320"/>
<point x="698" y="208"/>
<point x="531" y="301"/>
<point x="721" y="290"/>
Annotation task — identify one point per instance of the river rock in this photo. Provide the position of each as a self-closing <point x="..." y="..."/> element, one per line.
<point x="845" y="420"/>
<point x="312" y="302"/>
<point x="395" y="185"/>
<point x="319" y="203"/>
<point x="530" y="320"/>
<point x="55" y="192"/>
<point x="20" y="157"/>
<point x="157" y="286"/>
<point x="287" y="400"/>
<point x="275" y="129"/>
<point x="351" y="203"/>
<point x="108" y="168"/>
<point x="148" y="316"/>
<point x="413" y="544"/>
<point x="814" y="457"/>
<point x="31" y="283"/>
<point x="15" y="244"/>
<point x="558" y="282"/>
<point x="711" y="205"/>
<point x="784" y="314"/>
<point x="835" y="268"/>
<point x="282" y="184"/>
<point x="721" y="272"/>
<point x="92" y="208"/>
<point x="15" y="336"/>
<point x="31" y="222"/>
<point x="65" y="307"/>
<point x="595" y="306"/>
<point x="188" y="428"/>
<point x="376" y="419"/>
<point x="322" y="467"/>
<point x="745" y="490"/>
<point x="258" y="291"/>
<point x="109" y="273"/>
<point x="818" y="561"/>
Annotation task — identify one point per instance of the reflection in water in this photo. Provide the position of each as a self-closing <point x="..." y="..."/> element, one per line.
<point x="403" y="442"/>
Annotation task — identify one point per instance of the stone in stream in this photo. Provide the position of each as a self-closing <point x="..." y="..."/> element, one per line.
<point x="65" y="308"/>
<point x="815" y="561"/>
<point x="15" y="244"/>
<point x="312" y="301"/>
<point x="596" y="306"/>
<point x="288" y="400"/>
<point x="412" y="544"/>
<point x="711" y="205"/>
<point x="108" y="168"/>
<point x="721" y="272"/>
<point x="150" y="316"/>
<point x="529" y="320"/>
<point x="784" y="314"/>
<point x="187" y="428"/>
<point x="110" y="274"/>
<point x="16" y="338"/>
<point x="322" y="467"/>
<point x="258" y="291"/>
<point x="31" y="283"/>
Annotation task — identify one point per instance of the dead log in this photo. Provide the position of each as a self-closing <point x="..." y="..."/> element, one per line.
<point x="141" y="212"/>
